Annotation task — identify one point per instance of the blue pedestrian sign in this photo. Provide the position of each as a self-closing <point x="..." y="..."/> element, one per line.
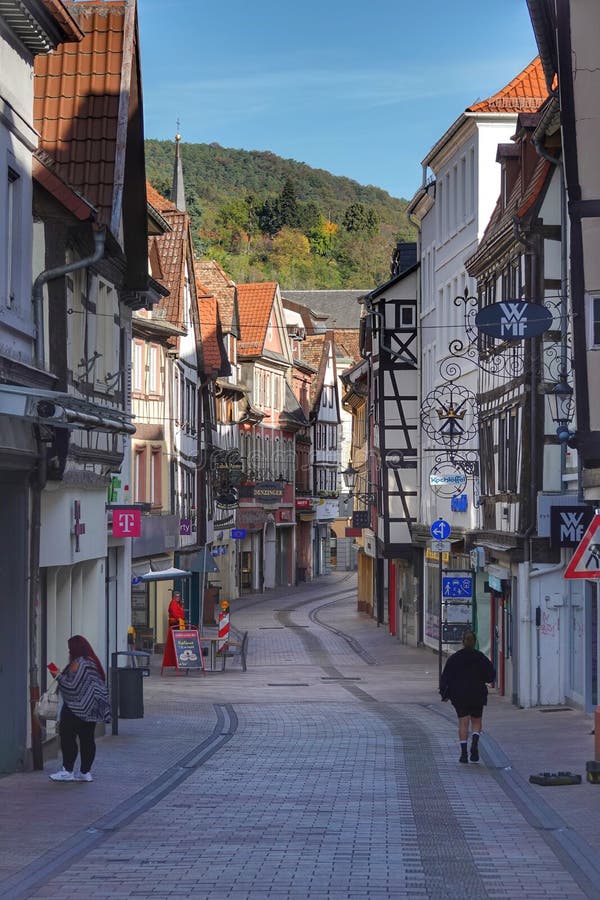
<point x="440" y="530"/>
<point x="457" y="587"/>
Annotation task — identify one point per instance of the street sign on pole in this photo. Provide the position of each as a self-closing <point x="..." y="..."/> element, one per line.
<point x="441" y="546"/>
<point x="440" y="530"/>
<point x="586" y="559"/>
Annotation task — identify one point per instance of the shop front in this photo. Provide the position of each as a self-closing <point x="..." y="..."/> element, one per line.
<point x="251" y="520"/>
<point x="305" y="517"/>
<point x="284" y="547"/>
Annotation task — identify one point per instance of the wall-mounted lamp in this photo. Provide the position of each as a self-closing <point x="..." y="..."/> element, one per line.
<point x="350" y="474"/>
<point x="561" y="406"/>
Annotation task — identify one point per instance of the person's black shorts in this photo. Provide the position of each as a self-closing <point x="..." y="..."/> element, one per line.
<point x="469" y="710"/>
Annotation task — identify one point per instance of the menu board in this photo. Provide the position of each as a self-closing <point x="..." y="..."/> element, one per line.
<point x="187" y="649"/>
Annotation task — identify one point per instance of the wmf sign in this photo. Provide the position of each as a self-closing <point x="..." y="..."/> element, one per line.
<point x="513" y="320"/>
<point x="568" y="524"/>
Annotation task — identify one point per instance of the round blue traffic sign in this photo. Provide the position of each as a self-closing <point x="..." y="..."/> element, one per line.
<point x="440" y="530"/>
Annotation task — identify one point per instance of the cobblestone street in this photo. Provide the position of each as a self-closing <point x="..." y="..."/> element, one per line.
<point x="328" y="770"/>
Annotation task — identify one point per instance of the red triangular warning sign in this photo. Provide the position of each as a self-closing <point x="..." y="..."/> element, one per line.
<point x="586" y="559"/>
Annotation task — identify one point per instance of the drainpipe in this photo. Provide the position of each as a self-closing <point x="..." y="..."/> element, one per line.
<point x="37" y="293"/>
<point x="36" y="494"/>
<point x="37" y="754"/>
<point x="564" y="359"/>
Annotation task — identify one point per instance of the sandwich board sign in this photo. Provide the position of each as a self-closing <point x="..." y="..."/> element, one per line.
<point x="586" y="559"/>
<point x="182" y="650"/>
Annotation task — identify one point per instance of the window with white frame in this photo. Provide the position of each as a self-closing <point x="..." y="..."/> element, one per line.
<point x="137" y="366"/>
<point x="463" y="189"/>
<point x="151" y="368"/>
<point x="107" y="335"/>
<point x="139" y="474"/>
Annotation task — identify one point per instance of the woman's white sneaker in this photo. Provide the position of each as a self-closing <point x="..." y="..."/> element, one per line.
<point x="83" y="776"/>
<point x="62" y="775"/>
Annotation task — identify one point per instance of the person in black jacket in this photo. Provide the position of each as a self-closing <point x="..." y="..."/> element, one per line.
<point x="463" y="682"/>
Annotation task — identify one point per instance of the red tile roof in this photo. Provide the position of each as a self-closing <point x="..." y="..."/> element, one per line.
<point x="45" y="176"/>
<point x="222" y="287"/>
<point x="525" y="92"/>
<point x="347" y="344"/>
<point x="157" y="200"/>
<point x="209" y="329"/>
<point x="77" y="90"/>
<point x="171" y="249"/>
<point x="313" y="351"/>
<point x="255" y="302"/>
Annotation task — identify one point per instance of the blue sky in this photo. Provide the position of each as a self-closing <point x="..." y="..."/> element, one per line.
<point x="359" y="89"/>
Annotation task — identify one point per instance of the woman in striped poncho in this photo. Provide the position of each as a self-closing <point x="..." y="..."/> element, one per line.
<point x="82" y="685"/>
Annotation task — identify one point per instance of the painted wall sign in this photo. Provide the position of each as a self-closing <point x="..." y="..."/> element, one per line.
<point x="126" y="522"/>
<point x="568" y="524"/>
<point x="268" y="491"/>
<point x="513" y="320"/>
<point x="251" y="519"/>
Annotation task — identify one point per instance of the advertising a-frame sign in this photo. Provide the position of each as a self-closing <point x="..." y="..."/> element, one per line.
<point x="586" y="559"/>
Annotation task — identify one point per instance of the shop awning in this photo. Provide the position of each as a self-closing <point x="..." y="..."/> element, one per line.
<point x="202" y="561"/>
<point x="151" y="572"/>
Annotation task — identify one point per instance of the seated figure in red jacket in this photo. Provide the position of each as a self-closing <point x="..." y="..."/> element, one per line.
<point x="176" y="612"/>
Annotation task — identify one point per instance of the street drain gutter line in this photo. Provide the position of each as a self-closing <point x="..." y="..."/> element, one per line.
<point x="576" y="855"/>
<point x="41" y="870"/>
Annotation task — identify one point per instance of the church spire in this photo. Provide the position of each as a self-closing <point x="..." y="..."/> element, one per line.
<point x="177" y="191"/>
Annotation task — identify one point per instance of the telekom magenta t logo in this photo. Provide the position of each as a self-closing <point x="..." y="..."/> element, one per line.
<point x="127" y="522"/>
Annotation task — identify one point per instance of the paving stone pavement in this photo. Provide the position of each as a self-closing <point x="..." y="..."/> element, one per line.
<point x="327" y="770"/>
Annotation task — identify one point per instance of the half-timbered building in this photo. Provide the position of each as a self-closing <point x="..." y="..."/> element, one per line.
<point x="522" y="460"/>
<point x="390" y="477"/>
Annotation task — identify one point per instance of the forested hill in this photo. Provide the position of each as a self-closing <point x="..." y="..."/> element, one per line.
<point x="267" y="218"/>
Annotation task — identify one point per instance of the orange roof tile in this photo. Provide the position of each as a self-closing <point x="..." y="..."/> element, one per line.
<point x="222" y="287"/>
<point x="170" y="250"/>
<point x="76" y="102"/>
<point x="209" y="330"/>
<point x="347" y="343"/>
<point x="255" y="302"/>
<point x="157" y="200"/>
<point x="525" y="92"/>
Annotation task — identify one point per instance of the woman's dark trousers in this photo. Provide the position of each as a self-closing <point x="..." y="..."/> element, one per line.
<point x="72" y="728"/>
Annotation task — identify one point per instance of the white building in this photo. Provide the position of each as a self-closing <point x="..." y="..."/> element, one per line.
<point x="461" y="183"/>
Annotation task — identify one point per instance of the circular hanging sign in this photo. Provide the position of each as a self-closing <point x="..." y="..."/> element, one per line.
<point x="447" y="480"/>
<point x="513" y="320"/>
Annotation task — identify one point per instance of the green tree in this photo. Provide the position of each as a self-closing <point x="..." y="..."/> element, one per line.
<point x="270" y="220"/>
<point x="288" y="205"/>
<point x="359" y="218"/>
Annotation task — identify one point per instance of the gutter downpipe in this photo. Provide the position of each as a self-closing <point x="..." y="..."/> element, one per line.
<point x="37" y="297"/>
<point x="526" y="640"/>
<point x="557" y="161"/>
<point x="37" y="293"/>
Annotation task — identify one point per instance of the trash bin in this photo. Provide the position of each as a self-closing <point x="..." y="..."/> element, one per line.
<point x="131" y="693"/>
<point x="127" y="683"/>
<point x="300" y="574"/>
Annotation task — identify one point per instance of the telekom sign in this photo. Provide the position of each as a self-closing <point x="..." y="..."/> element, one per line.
<point x="127" y="522"/>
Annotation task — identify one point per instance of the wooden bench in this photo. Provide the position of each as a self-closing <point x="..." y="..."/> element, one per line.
<point x="238" y="646"/>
